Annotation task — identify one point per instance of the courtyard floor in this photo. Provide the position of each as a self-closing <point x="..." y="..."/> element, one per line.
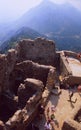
<point x="63" y="108"/>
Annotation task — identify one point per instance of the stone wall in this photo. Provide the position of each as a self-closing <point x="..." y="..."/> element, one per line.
<point x="57" y="60"/>
<point x="71" y="124"/>
<point x="64" y="66"/>
<point x="65" y="69"/>
<point x="49" y="86"/>
<point x="39" y="50"/>
<point x="43" y="82"/>
<point x="7" y="63"/>
<point x="11" y="58"/>
<point x="21" y="118"/>
<point x="32" y="70"/>
<point x="28" y="91"/>
<point x="73" y="80"/>
<point x="70" y="53"/>
<point x="27" y="114"/>
<point x="3" y="64"/>
<point x="18" y="76"/>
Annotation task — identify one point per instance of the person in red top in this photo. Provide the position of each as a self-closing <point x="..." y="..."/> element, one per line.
<point x="79" y="56"/>
<point x="79" y="88"/>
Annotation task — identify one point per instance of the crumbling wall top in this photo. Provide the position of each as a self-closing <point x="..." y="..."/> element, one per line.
<point x="39" y="50"/>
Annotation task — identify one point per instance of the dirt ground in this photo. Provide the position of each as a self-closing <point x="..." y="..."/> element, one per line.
<point x="63" y="108"/>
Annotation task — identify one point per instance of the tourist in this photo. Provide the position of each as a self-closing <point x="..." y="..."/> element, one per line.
<point x="48" y="125"/>
<point x="52" y="117"/>
<point x="79" y="56"/>
<point x="48" y="110"/>
<point x="67" y="86"/>
<point x="71" y="95"/>
<point x="53" y="108"/>
<point x="54" y="120"/>
<point x="41" y="110"/>
<point x="35" y="127"/>
<point x="79" y="88"/>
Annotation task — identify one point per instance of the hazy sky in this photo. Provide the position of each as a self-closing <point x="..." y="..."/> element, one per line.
<point x="12" y="9"/>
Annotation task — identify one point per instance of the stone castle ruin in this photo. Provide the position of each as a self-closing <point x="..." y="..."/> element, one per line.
<point x="24" y="84"/>
<point x="27" y="77"/>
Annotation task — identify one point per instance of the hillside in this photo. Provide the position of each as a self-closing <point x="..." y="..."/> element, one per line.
<point x="60" y="22"/>
<point x="5" y="32"/>
<point x="21" y="33"/>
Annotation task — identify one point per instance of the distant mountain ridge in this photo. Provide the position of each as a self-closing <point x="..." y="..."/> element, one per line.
<point x="59" y="22"/>
<point x="48" y="17"/>
<point x="21" y="33"/>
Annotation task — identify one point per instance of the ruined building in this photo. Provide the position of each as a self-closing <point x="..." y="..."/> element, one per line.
<point x="27" y="76"/>
<point x="25" y="82"/>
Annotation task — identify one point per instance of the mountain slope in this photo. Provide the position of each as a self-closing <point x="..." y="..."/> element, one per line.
<point x="48" y="17"/>
<point x="22" y="33"/>
<point x="61" y="23"/>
